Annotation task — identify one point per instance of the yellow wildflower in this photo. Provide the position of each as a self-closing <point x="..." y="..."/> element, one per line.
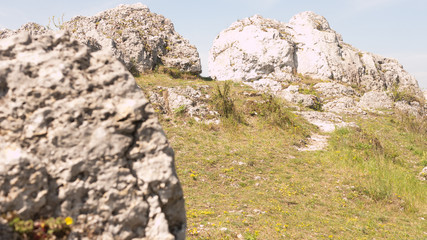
<point x="69" y="220"/>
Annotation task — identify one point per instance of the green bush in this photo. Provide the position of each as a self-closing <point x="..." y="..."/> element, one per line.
<point x="224" y="103"/>
<point x="43" y="229"/>
<point x="180" y="110"/>
<point x="398" y="95"/>
<point x="275" y="112"/>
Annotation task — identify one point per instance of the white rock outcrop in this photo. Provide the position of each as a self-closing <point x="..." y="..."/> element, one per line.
<point x="375" y="100"/>
<point x="32" y="28"/>
<point x="251" y="49"/>
<point x="255" y="48"/>
<point x="78" y="138"/>
<point x="137" y="37"/>
<point x="333" y="89"/>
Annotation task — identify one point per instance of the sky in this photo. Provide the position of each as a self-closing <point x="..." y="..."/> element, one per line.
<point x="391" y="28"/>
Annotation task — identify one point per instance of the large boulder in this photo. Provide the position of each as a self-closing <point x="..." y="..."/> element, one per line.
<point x="251" y="49"/>
<point x="256" y="48"/>
<point x="137" y="37"/>
<point x="375" y="100"/>
<point x="78" y="138"/>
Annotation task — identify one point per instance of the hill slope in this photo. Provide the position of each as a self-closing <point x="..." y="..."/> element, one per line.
<point x="245" y="178"/>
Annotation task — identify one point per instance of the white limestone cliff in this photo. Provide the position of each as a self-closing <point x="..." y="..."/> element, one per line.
<point x="255" y="48"/>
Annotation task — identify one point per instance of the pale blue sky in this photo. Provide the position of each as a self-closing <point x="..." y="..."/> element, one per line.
<point x="392" y="28"/>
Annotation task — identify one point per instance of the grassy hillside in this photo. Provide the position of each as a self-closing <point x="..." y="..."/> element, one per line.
<point x="245" y="178"/>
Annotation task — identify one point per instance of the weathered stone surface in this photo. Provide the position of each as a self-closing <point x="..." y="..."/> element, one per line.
<point x="333" y="89"/>
<point x="79" y="139"/>
<point x="251" y="49"/>
<point x="137" y="37"/>
<point x="291" y="94"/>
<point x="32" y="28"/>
<point x="266" y="85"/>
<point x="343" y="105"/>
<point x="326" y="121"/>
<point x="189" y="101"/>
<point x="375" y="100"/>
<point x="256" y="48"/>
<point x="413" y="108"/>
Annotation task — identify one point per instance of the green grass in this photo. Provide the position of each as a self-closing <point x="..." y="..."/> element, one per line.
<point x="246" y="179"/>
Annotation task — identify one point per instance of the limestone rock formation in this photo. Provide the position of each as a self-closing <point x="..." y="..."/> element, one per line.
<point x="291" y="94"/>
<point x="345" y="105"/>
<point x="333" y="89"/>
<point x="375" y="100"/>
<point x="255" y="48"/>
<point x="189" y="101"/>
<point x="137" y="37"/>
<point x="32" y="28"/>
<point x="78" y="138"/>
<point x="251" y="49"/>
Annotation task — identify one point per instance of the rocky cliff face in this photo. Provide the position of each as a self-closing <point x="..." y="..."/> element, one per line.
<point x="257" y="48"/>
<point x="78" y="138"/>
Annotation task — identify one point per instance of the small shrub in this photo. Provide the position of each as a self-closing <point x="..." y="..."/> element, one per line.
<point x="251" y="236"/>
<point x="306" y="79"/>
<point x="180" y="110"/>
<point x="43" y="229"/>
<point x="308" y="91"/>
<point x="58" y="24"/>
<point x="224" y="103"/>
<point x="133" y="69"/>
<point x="174" y="73"/>
<point x="398" y="95"/>
<point x="275" y="112"/>
<point x="317" y="106"/>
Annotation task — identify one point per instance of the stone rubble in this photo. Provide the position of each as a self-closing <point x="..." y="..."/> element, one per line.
<point x="189" y="101"/>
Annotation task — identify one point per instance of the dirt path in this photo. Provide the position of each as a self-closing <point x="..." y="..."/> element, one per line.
<point x="327" y="122"/>
<point x="315" y="143"/>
